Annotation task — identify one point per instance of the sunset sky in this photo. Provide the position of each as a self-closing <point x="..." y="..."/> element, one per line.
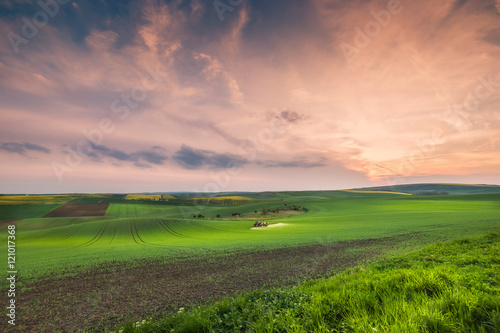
<point x="137" y="96"/>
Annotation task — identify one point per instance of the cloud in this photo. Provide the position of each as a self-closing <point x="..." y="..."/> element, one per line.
<point x="291" y="116"/>
<point x="220" y="79"/>
<point x="457" y="5"/>
<point x="152" y="156"/>
<point x="21" y="148"/>
<point x="190" y="158"/>
<point x="493" y="37"/>
<point x="291" y="164"/>
<point x="286" y="115"/>
<point x="142" y="158"/>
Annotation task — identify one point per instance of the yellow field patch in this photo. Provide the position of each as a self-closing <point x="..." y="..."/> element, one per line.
<point x="229" y="197"/>
<point x="152" y="197"/>
<point x="44" y="199"/>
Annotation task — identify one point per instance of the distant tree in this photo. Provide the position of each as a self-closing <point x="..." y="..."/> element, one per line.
<point x="200" y="216"/>
<point x="277" y="209"/>
<point x="265" y="210"/>
<point x="218" y="215"/>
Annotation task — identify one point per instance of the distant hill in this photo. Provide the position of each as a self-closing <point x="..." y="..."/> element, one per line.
<point x="398" y="190"/>
<point x="437" y="187"/>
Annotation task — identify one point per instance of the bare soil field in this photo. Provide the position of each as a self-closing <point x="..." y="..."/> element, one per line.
<point x="8" y="222"/>
<point x="76" y="210"/>
<point x="110" y="294"/>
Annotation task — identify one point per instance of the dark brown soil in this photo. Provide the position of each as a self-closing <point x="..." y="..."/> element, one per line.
<point x="111" y="294"/>
<point x="8" y="222"/>
<point x="76" y="210"/>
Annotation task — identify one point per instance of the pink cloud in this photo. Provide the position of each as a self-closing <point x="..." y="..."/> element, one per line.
<point x="220" y="93"/>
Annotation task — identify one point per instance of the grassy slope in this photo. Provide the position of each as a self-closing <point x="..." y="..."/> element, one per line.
<point x="58" y="246"/>
<point x="54" y="247"/>
<point x="446" y="287"/>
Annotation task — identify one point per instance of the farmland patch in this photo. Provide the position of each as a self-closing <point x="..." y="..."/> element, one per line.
<point x="76" y="210"/>
<point x="6" y="222"/>
<point x="111" y="293"/>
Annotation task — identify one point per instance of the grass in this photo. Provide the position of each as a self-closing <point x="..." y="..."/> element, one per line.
<point x="26" y="211"/>
<point x="447" y="287"/>
<point x="134" y="234"/>
<point x="376" y="192"/>
<point x="133" y="231"/>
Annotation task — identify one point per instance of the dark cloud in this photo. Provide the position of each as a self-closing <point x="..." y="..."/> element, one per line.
<point x="291" y="116"/>
<point x="114" y="153"/>
<point x="193" y="159"/>
<point x="286" y="115"/>
<point x="22" y="148"/>
<point x="156" y="156"/>
<point x="291" y="164"/>
<point x="142" y="158"/>
<point x="493" y="37"/>
<point x="190" y="158"/>
<point x="142" y="165"/>
<point x="457" y="6"/>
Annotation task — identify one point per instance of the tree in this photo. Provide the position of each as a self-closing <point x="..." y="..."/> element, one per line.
<point x="265" y="210"/>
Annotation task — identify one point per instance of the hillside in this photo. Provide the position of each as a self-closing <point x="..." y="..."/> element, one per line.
<point x="446" y="287"/>
<point x="450" y="188"/>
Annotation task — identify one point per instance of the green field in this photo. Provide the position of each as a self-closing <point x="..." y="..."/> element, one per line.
<point x="133" y="234"/>
<point x="133" y="231"/>
<point x="449" y="287"/>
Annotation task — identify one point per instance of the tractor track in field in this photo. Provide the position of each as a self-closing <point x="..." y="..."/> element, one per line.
<point x="207" y="227"/>
<point x="132" y="232"/>
<point x="137" y="233"/>
<point x="98" y="236"/>
<point x="114" y="234"/>
<point x="168" y="229"/>
<point x="72" y="232"/>
<point x="36" y="237"/>
<point x="133" y="228"/>
<point x="105" y="225"/>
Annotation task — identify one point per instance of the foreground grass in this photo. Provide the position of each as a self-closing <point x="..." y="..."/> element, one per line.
<point x="446" y="287"/>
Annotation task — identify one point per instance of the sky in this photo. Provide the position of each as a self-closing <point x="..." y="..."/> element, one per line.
<point x="247" y="95"/>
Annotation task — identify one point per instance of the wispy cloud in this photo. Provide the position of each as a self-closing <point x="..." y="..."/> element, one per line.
<point x="142" y="158"/>
<point x="291" y="164"/>
<point x="190" y="158"/>
<point x="22" y="148"/>
<point x="228" y="83"/>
